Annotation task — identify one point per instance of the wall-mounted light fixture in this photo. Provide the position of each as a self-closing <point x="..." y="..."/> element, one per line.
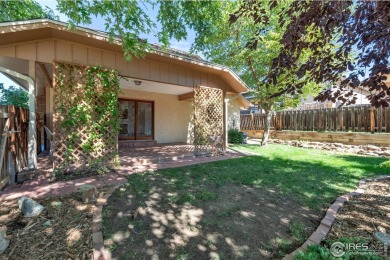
<point x="137" y="82"/>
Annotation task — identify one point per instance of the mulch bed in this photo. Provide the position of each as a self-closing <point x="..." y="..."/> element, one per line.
<point x="62" y="231"/>
<point x="365" y="214"/>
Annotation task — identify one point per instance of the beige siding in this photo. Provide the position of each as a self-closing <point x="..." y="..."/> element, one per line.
<point x="172" y="118"/>
<point x="50" y="50"/>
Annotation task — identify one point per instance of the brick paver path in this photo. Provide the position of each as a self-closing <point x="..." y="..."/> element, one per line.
<point x="42" y="187"/>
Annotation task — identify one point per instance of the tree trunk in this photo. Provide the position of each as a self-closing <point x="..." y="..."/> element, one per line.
<point x="267" y="127"/>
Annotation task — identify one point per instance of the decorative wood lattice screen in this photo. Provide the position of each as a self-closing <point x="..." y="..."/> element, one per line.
<point x="208" y="120"/>
<point x="85" y="128"/>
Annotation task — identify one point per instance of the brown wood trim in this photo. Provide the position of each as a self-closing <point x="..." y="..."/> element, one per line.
<point x="158" y="81"/>
<point x="186" y="96"/>
<point x="45" y="74"/>
<point x="135" y="100"/>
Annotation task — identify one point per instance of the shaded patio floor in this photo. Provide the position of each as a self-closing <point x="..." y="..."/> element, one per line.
<point x="165" y="156"/>
<point x="137" y="159"/>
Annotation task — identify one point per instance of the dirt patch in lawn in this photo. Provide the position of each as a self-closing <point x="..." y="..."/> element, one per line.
<point x="62" y="231"/>
<point x="160" y="217"/>
<point x="364" y="215"/>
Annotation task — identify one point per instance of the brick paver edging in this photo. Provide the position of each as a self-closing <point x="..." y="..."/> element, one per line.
<point x="99" y="251"/>
<point x="330" y="216"/>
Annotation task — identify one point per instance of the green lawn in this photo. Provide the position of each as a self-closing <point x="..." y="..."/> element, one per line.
<point x="260" y="206"/>
<point x="315" y="177"/>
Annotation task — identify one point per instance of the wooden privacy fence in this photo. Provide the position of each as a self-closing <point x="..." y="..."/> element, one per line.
<point x="14" y="142"/>
<point x="345" y="119"/>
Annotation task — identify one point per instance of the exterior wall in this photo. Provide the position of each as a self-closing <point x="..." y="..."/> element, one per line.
<point x="50" y="50"/>
<point x="234" y="114"/>
<point x="172" y="118"/>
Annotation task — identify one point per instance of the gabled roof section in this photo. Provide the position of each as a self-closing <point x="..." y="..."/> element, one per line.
<point x="58" y="29"/>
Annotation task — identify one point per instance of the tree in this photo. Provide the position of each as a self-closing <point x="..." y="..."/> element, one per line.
<point x="23" y="10"/>
<point x="358" y="31"/>
<point x="13" y="96"/>
<point x="128" y="19"/>
<point x="230" y="44"/>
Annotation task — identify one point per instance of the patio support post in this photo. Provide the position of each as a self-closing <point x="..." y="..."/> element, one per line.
<point x="32" y="128"/>
<point x="32" y="142"/>
<point x="225" y="121"/>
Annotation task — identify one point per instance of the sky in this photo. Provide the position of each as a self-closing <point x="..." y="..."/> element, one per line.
<point x="98" y="24"/>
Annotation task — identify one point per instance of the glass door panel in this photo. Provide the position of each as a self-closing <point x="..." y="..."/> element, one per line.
<point x="144" y="120"/>
<point x="127" y="119"/>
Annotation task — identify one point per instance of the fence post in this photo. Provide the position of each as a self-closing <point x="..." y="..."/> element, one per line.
<point x="379" y="121"/>
<point x="372" y="120"/>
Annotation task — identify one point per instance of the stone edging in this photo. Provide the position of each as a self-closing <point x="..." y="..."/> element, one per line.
<point x="99" y="251"/>
<point x="330" y="216"/>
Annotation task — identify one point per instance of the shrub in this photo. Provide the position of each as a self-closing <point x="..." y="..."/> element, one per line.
<point x="235" y="136"/>
<point x="385" y="164"/>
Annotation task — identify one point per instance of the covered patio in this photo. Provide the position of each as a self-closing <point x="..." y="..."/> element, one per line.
<point x="86" y="100"/>
<point x="134" y="159"/>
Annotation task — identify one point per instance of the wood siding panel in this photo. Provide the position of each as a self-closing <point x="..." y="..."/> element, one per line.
<point x="109" y="59"/>
<point x="154" y="71"/>
<point x="45" y="51"/>
<point x="26" y="51"/>
<point x="197" y="81"/>
<point x="144" y="69"/>
<point x="181" y="76"/>
<point x="133" y="68"/>
<point x="173" y="77"/>
<point x="94" y="57"/>
<point x="63" y="51"/>
<point x="121" y="65"/>
<point x="189" y="78"/>
<point x="164" y="72"/>
<point x="8" y="51"/>
<point x="204" y="79"/>
<point x="213" y="81"/>
<point x="80" y="54"/>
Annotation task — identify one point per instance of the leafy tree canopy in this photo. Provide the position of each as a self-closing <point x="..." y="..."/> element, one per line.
<point x="318" y="42"/>
<point x="23" y="10"/>
<point x="13" y="96"/>
<point x="231" y="43"/>
<point x="128" y="19"/>
<point x="358" y="31"/>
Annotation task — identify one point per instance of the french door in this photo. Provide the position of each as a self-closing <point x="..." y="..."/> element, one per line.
<point x="136" y="120"/>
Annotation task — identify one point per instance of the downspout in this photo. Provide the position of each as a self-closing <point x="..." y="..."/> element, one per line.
<point x="32" y="144"/>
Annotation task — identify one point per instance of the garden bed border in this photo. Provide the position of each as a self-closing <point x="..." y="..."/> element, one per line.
<point x="326" y="223"/>
<point x="99" y="251"/>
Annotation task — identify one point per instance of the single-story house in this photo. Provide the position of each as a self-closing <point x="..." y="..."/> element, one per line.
<point x="157" y="93"/>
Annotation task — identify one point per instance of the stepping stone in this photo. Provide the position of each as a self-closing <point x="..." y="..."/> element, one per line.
<point x="382" y="237"/>
<point x="3" y="242"/>
<point x="87" y="192"/>
<point x="29" y="207"/>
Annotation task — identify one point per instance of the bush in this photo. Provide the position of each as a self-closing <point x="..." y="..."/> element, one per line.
<point x="385" y="164"/>
<point x="235" y="136"/>
<point x="314" y="252"/>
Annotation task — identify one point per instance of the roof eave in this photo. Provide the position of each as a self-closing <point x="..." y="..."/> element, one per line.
<point x="116" y="40"/>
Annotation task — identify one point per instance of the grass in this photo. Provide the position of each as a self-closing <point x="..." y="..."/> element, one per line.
<point x="314" y="177"/>
<point x="297" y="230"/>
